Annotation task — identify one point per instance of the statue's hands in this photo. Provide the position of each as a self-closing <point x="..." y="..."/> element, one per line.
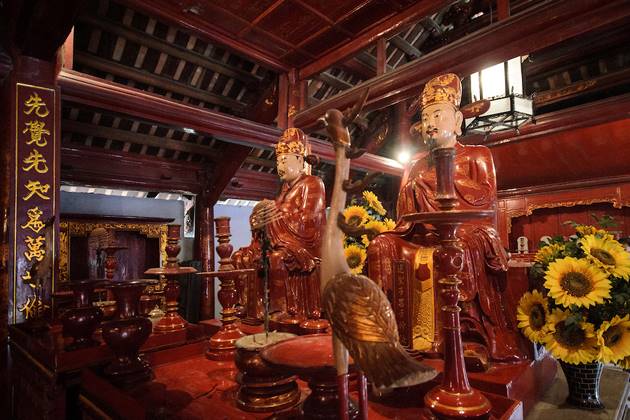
<point x="304" y="259"/>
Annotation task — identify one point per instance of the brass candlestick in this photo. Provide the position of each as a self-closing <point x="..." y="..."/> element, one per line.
<point x="222" y="344"/>
<point x="172" y="321"/>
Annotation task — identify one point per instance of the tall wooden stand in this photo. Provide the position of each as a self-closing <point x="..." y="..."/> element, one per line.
<point x="222" y="344"/>
<point x="172" y="321"/>
<point x="454" y="398"/>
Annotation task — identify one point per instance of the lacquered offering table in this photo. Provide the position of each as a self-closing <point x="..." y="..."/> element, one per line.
<point x="311" y="357"/>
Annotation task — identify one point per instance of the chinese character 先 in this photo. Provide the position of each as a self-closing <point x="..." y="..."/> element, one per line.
<point x="35" y="160"/>
<point x="37" y="130"/>
<point x="36" y="188"/>
<point x="35" y="248"/>
<point x="35" y="103"/>
<point x="34" y="223"/>
<point x="26" y="277"/>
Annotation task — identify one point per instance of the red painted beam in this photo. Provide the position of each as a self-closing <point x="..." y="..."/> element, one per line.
<point x="92" y="91"/>
<point x="111" y="168"/>
<point x="252" y="185"/>
<point x="540" y="26"/>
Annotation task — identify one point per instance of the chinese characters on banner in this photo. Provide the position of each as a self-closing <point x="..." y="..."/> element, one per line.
<point x="35" y="200"/>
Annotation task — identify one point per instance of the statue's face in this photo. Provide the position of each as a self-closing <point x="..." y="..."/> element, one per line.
<point x="289" y="166"/>
<point x="441" y="124"/>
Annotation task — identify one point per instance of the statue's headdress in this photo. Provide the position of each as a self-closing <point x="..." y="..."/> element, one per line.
<point x="292" y="141"/>
<point x="446" y="88"/>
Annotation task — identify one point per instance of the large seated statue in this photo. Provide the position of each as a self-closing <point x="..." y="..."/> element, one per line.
<point x="294" y="234"/>
<point x="401" y="260"/>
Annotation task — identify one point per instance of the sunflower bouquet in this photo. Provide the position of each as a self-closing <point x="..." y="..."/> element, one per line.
<point x="367" y="213"/>
<point x="582" y="313"/>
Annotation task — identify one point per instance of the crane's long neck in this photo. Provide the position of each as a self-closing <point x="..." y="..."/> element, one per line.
<point x="333" y="259"/>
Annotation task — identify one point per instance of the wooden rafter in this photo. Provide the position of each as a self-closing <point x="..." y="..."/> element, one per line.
<point x="137" y="138"/>
<point x="170" y="12"/>
<point x="389" y="26"/>
<point x="188" y="55"/>
<point x="161" y="82"/>
<point x="334" y="81"/>
<point x="406" y="47"/>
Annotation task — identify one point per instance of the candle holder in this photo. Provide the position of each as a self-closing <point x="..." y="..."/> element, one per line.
<point x="171" y="321"/>
<point x="81" y="321"/>
<point x="454" y="398"/>
<point x="222" y="344"/>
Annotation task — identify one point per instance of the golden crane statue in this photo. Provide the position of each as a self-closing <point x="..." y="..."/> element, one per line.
<point x="362" y="320"/>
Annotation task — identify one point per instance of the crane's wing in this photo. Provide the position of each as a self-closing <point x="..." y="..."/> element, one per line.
<point x="359" y="309"/>
<point x="362" y="318"/>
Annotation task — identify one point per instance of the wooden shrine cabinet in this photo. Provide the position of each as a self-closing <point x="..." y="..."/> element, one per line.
<point x="539" y="214"/>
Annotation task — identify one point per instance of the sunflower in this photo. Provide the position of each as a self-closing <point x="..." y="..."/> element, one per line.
<point x="575" y="343"/>
<point x="584" y="230"/>
<point x="532" y="314"/>
<point x="613" y="338"/>
<point x="376" y="226"/>
<point x="356" y="215"/>
<point x="355" y="257"/>
<point x="548" y="253"/>
<point x="374" y="202"/>
<point x="576" y="282"/>
<point x="607" y="254"/>
<point x="389" y="224"/>
<point x="365" y="240"/>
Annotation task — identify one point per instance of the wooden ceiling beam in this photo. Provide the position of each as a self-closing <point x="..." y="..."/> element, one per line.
<point x="169" y="85"/>
<point x="252" y="185"/>
<point x="404" y="46"/>
<point x="92" y="91"/>
<point x="172" y="12"/>
<point x="190" y="56"/>
<point x="333" y="81"/>
<point x="138" y="138"/>
<point x="358" y="68"/>
<point x="543" y="24"/>
<point x="389" y="26"/>
<point x="116" y="169"/>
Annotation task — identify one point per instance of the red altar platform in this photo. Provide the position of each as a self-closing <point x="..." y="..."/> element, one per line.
<point x="189" y="386"/>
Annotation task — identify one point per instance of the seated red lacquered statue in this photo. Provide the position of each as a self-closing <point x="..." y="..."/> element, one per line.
<point x="294" y="234"/>
<point x="401" y="261"/>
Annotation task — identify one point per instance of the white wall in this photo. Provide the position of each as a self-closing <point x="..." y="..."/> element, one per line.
<point x="241" y="236"/>
<point x="110" y="205"/>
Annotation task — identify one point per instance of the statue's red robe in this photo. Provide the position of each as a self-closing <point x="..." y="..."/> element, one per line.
<point x="484" y="275"/>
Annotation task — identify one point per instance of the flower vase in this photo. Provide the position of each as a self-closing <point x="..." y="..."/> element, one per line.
<point x="583" y="381"/>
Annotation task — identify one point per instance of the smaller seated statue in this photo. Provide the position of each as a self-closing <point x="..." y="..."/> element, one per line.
<point x="294" y="235"/>
<point x="401" y="261"/>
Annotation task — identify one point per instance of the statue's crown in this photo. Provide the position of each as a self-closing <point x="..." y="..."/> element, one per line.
<point x="446" y="88"/>
<point x="292" y="141"/>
